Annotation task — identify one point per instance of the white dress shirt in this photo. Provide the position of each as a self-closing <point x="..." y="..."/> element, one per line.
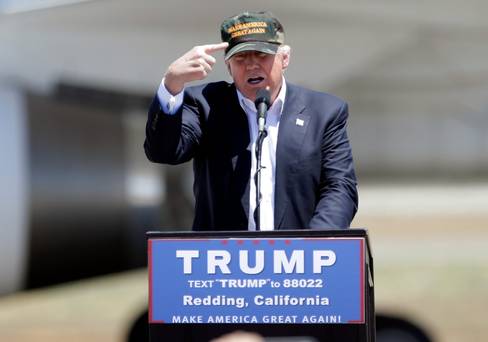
<point x="171" y="104"/>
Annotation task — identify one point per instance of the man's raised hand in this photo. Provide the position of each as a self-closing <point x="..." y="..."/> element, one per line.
<point x="194" y="65"/>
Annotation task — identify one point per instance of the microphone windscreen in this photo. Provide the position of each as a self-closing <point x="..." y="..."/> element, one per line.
<point x="262" y="96"/>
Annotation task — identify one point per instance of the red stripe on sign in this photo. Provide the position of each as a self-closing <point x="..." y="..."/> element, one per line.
<point x="172" y="240"/>
<point x="311" y="239"/>
<point x="361" y="269"/>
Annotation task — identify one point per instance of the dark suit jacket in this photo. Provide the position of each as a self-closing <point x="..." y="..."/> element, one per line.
<point x="315" y="182"/>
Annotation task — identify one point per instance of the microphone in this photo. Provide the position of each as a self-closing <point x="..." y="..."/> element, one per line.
<point x="262" y="103"/>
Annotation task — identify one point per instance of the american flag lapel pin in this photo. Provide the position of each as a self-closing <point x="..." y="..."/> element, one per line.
<point x="299" y="122"/>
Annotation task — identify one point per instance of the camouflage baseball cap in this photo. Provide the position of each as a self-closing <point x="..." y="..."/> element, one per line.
<point x="252" y="31"/>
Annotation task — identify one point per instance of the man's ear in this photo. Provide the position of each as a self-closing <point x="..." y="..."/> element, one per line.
<point x="285" y="56"/>
<point x="286" y="61"/>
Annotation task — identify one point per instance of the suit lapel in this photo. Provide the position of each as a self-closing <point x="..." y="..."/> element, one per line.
<point x="293" y="126"/>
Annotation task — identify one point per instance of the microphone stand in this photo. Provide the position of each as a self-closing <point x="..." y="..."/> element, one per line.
<point x="262" y="102"/>
<point x="257" y="178"/>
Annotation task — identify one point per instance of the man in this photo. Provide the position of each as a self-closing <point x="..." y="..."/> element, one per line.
<point x="308" y="179"/>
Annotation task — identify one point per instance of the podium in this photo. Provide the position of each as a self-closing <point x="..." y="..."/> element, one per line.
<point x="307" y="283"/>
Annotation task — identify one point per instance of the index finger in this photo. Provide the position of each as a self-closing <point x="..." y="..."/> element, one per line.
<point x="211" y="48"/>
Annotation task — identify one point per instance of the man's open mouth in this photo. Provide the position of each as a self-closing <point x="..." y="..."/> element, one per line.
<point x="255" y="80"/>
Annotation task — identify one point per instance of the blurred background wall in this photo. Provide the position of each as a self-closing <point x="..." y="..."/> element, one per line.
<point x="76" y="79"/>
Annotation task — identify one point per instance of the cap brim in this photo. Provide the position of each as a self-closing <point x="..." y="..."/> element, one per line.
<point x="265" y="47"/>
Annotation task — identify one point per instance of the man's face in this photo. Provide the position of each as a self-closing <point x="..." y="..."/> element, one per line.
<point x="253" y="70"/>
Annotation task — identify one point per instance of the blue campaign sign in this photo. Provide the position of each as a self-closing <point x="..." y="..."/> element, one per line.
<point x="256" y="280"/>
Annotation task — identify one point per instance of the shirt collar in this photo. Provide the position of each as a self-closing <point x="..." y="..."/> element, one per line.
<point x="248" y="105"/>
